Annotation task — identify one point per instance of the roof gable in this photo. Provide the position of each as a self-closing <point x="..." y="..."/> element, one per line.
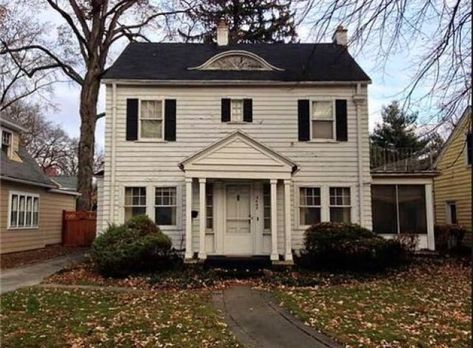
<point x="238" y="152"/>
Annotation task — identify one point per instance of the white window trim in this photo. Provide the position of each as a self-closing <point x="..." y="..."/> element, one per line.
<point x="178" y="206"/>
<point x="298" y="205"/>
<point x="242" y="110"/>
<point x="341" y="206"/>
<point x="334" y="121"/>
<point x="21" y="193"/>
<point x="152" y="140"/>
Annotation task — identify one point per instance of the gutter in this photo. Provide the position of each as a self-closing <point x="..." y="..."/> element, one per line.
<point x="71" y="193"/>
<point x="12" y="125"/>
<point x="21" y="181"/>
<point x="188" y="83"/>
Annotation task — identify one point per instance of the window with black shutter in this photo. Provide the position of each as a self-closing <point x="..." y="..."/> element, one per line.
<point x="469" y="145"/>
<point x="237" y="110"/>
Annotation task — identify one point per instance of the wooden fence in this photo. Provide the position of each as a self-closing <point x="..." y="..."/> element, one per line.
<point x="78" y="227"/>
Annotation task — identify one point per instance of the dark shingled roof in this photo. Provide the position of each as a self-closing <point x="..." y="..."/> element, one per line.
<point x="301" y="62"/>
<point x="66" y="182"/>
<point x="27" y="170"/>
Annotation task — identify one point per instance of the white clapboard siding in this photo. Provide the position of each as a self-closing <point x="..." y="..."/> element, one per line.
<point x="198" y="124"/>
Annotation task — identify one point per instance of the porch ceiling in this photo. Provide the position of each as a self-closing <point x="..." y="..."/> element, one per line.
<point x="238" y="156"/>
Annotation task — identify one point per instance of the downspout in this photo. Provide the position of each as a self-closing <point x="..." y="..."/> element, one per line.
<point x="358" y="99"/>
<point x="112" y="153"/>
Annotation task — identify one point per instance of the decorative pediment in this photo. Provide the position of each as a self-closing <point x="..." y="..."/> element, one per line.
<point x="236" y="60"/>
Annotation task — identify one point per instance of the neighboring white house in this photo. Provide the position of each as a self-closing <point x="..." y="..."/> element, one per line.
<point x="235" y="149"/>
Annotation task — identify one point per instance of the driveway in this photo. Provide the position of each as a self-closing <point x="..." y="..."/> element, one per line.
<point x="15" y="278"/>
<point x="257" y="321"/>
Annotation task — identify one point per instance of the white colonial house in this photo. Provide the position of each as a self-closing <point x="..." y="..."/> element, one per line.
<point x="235" y="149"/>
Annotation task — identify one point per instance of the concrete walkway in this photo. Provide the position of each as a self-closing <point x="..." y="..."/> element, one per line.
<point x="257" y="321"/>
<point x="14" y="278"/>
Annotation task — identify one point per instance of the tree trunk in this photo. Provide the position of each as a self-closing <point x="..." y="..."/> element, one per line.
<point x="88" y="114"/>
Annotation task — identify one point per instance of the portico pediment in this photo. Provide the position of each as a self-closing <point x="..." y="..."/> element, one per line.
<point x="238" y="156"/>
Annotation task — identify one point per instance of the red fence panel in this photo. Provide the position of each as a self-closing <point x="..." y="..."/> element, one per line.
<point x="79" y="228"/>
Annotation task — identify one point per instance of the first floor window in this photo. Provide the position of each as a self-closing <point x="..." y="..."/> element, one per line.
<point x="452" y="213"/>
<point x="322" y="120"/>
<point x="309" y="205"/>
<point x="266" y="208"/>
<point x="209" y="201"/>
<point x="340" y="204"/>
<point x="135" y="202"/>
<point x="165" y="206"/>
<point x="151" y="119"/>
<point x="399" y="209"/>
<point x="24" y="209"/>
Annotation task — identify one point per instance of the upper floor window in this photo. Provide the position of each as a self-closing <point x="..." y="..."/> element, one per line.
<point x="237" y="110"/>
<point x="165" y="206"/>
<point x="309" y="205"/>
<point x="340" y="204"/>
<point x="135" y="202"/>
<point x="151" y="119"/>
<point x="6" y="142"/>
<point x="323" y="120"/>
<point x="236" y="114"/>
<point x="24" y="210"/>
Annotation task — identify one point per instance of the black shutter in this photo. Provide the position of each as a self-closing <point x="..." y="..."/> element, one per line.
<point x="248" y="110"/>
<point x="225" y="110"/>
<point x="341" y="119"/>
<point x="131" y="119"/>
<point x="170" y="120"/>
<point x="469" y="147"/>
<point x="303" y="107"/>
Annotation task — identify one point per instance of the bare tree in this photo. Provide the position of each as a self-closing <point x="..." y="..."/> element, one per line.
<point x="80" y="51"/>
<point x="437" y="32"/>
<point x="17" y="27"/>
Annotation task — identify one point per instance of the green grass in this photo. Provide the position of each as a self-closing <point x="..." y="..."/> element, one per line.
<point x="39" y="317"/>
<point x="427" y="306"/>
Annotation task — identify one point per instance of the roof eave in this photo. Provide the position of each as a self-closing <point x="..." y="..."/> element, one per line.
<point x="28" y="182"/>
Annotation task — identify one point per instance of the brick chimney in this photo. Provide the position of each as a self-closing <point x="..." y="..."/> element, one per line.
<point x="222" y="33"/>
<point x="340" y="37"/>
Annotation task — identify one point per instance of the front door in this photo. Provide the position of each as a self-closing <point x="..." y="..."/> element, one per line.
<point x="238" y="232"/>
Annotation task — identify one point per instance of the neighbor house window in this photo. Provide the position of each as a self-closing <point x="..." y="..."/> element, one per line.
<point x="469" y="147"/>
<point x="399" y="209"/>
<point x="236" y="110"/>
<point x="165" y="206"/>
<point x="323" y="122"/>
<point x="135" y="202"/>
<point x="452" y="213"/>
<point x="151" y="119"/>
<point x="6" y="142"/>
<point x="209" y="201"/>
<point x="340" y="204"/>
<point x="266" y="208"/>
<point x="309" y="205"/>
<point x="24" y="208"/>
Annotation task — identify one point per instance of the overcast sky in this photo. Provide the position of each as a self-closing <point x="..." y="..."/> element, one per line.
<point x="387" y="85"/>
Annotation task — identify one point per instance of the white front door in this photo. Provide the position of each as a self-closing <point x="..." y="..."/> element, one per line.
<point x="239" y="239"/>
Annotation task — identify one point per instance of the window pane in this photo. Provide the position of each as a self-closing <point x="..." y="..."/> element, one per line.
<point x="340" y="196"/>
<point x="412" y="215"/>
<point x="322" y="110"/>
<point x="383" y="203"/>
<point x="21" y="217"/>
<point x="134" y="211"/>
<point x="310" y="196"/>
<point x="29" y="210"/>
<point x="209" y="209"/>
<point x="237" y="110"/>
<point x="266" y="206"/>
<point x="151" y="109"/>
<point x="322" y="129"/>
<point x="309" y="216"/>
<point x="14" y="210"/>
<point x="165" y="196"/>
<point x="35" y="211"/>
<point x="340" y="215"/>
<point x="151" y="129"/>
<point x="165" y="215"/>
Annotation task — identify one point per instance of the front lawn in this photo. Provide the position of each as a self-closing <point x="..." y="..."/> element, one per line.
<point x="38" y="317"/>
<point x="427" y="306"/>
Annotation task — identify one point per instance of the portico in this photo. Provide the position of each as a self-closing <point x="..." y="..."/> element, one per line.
<point x="232" y="190"/>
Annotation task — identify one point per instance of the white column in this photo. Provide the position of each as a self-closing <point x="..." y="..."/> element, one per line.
<point x="189" y="253"/>
<point x="274" y="221"/>
<point x="287" y="220"/>
<point x="202" y="219"/>
<point x="429" y="210"/>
